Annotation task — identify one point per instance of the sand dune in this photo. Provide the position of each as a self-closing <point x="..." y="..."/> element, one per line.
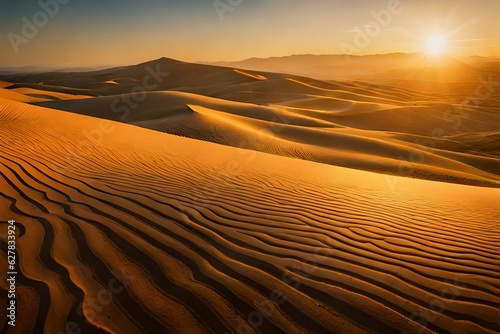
<point x="203" y="237"/>
<point x="370" y="127"/>
<point x="344" y="137"/>
<point x="123" y="229"/>
<point x="111" y="82"/>
<point x="248" y="74"/>
<point x="31" y="95"/>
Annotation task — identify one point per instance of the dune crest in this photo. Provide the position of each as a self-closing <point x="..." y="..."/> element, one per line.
<point x="255" y="76"/>
<point x="361" y="135"/>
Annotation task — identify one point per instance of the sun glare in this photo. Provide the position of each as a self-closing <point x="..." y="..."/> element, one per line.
<point x="436" y="45"/>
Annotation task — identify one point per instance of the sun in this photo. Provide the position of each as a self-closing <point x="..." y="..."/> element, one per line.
<point x="436" y="45"/>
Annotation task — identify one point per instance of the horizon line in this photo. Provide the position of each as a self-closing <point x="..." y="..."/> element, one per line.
<point x="58" y="68"/>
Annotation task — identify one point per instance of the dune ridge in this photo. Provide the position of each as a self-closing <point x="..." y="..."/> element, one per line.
<point x="201" y="236"/>
<point x="376" y="138"/>
<point x="378" y="128"/>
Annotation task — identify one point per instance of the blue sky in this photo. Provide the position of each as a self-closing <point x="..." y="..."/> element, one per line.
<point x="92" y="32"/>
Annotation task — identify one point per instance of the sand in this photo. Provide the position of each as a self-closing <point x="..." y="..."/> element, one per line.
<point x="221" y="203"/>
<point x="30" y="95"/>
<point x="202" y="237"/>
<point x="361" y="126"/>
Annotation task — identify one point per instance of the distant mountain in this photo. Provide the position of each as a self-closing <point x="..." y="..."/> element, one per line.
<point x="45" y="69"/>
<point x="451" y="77"/>
<point x="160" y="74"/>
<point x="392" y="69"/>
<point x="26" y="69"/>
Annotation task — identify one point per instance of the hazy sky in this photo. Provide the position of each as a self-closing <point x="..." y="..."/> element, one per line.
<point x="99" y="32"/>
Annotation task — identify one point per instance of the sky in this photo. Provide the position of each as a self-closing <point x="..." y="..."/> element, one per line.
<point x="74" y="33"/>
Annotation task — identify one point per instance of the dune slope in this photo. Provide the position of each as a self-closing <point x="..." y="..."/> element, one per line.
<point x="370" y="136"/>
<point x="132" y="230"/>
<point x="450" y="137"/>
